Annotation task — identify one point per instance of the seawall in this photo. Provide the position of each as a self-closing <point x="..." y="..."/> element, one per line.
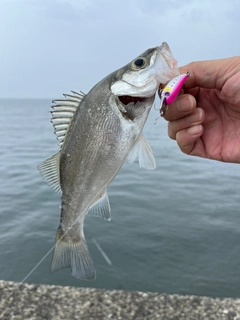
<point x="38" y="302"/>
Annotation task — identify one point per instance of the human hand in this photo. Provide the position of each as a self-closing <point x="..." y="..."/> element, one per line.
<point x="205" y="118"/>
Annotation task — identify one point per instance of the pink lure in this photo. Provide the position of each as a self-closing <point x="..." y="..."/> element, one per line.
<point x="169" y="93"/>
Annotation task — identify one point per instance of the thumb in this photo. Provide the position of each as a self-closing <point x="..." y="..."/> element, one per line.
<point x="211" y="74"/>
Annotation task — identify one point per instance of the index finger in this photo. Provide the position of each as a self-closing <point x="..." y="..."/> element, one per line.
<point x="182" y="106"/>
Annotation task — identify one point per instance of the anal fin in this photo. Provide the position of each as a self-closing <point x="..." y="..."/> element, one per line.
<point x="101" y="207"/>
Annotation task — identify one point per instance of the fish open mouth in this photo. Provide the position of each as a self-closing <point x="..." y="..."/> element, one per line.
<point x="128" y="99"/>
<point x="131" y="107"/>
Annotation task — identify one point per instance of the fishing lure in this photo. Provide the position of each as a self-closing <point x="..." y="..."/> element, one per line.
<point x="169" y="93"/>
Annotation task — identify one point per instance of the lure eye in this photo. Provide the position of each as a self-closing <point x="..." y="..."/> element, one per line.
<point x="167" y="94"/>
<point x="139" y="63"/>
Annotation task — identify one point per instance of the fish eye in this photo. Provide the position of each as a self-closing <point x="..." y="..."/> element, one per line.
<point x="139" y="63"/>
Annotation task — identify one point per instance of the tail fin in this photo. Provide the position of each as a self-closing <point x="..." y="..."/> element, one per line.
<point x="74" y="255"/>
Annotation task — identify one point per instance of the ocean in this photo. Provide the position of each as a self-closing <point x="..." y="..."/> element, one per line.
<point x="173" y="230"/>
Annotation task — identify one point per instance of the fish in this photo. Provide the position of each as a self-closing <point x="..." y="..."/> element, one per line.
<point x="97" y="133"/>
<point x="169" y="93"/>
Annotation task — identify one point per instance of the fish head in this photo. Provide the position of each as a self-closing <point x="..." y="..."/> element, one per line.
<point x="142" y="76"/>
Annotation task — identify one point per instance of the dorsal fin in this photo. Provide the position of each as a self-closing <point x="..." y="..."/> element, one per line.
<point x="49" y="170"/>
<point x="62" y="114"/>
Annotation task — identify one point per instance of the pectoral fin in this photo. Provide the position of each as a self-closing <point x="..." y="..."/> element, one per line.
<point x="143" y="152"/>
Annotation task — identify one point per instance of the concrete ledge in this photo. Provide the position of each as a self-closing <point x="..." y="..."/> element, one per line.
<point x="37" y="302"/>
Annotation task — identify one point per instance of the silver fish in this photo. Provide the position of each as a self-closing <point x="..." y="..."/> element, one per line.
<point x="96" y="133"/>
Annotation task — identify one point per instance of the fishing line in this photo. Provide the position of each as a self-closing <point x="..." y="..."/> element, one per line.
<point x="156" y="120"/>
<point x="52" y="248"/>
<point x="37" y="265"/>
<point x="24" y="279"/>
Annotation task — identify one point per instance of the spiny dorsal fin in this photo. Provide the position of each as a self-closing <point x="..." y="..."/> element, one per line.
<point x="62" y="114"/>
<point x="143" y="152"/>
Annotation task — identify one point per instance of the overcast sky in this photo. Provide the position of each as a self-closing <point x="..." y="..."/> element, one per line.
<point x="53" y="46"/>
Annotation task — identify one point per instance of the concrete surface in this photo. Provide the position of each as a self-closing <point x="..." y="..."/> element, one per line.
<point x="37" y="302"/>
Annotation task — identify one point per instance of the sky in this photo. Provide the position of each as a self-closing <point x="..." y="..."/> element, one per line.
<point x="49" y="47"/>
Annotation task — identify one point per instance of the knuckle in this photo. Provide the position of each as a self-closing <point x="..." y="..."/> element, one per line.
<point x="171" y="132"/>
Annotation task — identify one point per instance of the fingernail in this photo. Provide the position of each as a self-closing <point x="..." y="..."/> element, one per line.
<point x="195" y="130"/>
<point x="184" y="104"/>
